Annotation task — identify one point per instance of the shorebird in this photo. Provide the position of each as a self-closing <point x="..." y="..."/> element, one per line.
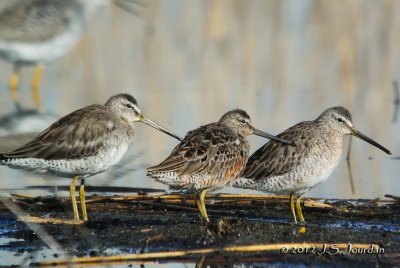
<point x="84" y="143"/>
<point x="293" y="170"/>
<point x="209" y="157"/>
<point x="36" y="32"/>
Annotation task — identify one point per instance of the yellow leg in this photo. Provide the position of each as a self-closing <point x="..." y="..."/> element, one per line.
<point x="201" y="205"/>
<point x="37" y="76"/>
<point x="72" y="192"/>
<point x="83" y="200"/>
<point x="292" y="208"/>
<point x="14" y="81"/>
<point x="299" y="210"/>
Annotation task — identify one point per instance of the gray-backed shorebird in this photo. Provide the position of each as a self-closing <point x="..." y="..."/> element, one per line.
<point x="209" y="157"/>
<point x="293" y="170"/>
<point x="83" y="143"/>
<point x="36" y="32"/>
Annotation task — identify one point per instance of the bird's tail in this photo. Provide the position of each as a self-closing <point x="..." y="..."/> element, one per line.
<point x="169" y="178"/>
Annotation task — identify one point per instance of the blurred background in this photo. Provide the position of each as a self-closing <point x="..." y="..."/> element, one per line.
<point x="188" y="62"/>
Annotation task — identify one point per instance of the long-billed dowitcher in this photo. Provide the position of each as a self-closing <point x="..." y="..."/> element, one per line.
<point x="293" y="170"/>
<point x="37" y="32"/>
<point x="84" y="143"/>
<point x="209" y="157"/>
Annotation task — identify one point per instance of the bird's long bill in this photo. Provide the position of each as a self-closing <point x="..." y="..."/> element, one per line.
<point x="358" y="134"/>
<point x="147" y="121"/>
<point x="271" y="137"/>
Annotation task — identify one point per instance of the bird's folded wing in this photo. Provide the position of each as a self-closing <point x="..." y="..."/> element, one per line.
<point x="201" y="157"/>
<point x="79" y="134"/>
<point x="274" y="158"/>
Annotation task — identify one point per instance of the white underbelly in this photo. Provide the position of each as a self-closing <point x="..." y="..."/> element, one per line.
<point x="302" y="180"/>
<point x="299" y="180"/>
<point x="43" y="51"/>
<point x="84" y="167"/>
<point x="95" y="164"/>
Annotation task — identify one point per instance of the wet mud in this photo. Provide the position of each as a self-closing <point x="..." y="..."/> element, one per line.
<point x="120" y="225"/>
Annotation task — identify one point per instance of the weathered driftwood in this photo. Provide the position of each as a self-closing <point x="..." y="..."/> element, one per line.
<point x="32" y="219"/>
<point x="183" y="202"/>
<point x="204" y="251"/>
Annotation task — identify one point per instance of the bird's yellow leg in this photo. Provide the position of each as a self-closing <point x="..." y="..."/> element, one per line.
<point x="37" y="76"/>
<point x="201" y="205"/>
<point x="299" y="210"/>
<point x="14" y="81"/>
<point x="83" y="200"/>
<point x="72" y="192"/>
<point x="292" y="208"/>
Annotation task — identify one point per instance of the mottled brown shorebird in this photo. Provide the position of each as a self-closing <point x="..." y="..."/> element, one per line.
<point x="209" y="157"/>
<point x="83" y="143"/>
<point x="36" y="32"/>
<point x="293" y="170"/>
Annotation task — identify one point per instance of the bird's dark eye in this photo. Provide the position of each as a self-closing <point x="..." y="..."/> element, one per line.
<point x="129" y="106"/>
<point x="340" y="119"/>
<point x="243" y="121"/>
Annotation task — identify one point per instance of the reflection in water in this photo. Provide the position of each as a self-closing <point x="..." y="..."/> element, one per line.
<point x="188" y="62"/>
<point x="20" y="127"/>
<point x="41" y="233"/>
<point x="349" y="170"/>
<point x="396" y="102"/>
<point x="25" y="121"/>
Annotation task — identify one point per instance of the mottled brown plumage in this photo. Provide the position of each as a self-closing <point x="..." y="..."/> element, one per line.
<point x="204" y="159"/>
<point x="293" y="170"/>
<point x="209" y="157"/>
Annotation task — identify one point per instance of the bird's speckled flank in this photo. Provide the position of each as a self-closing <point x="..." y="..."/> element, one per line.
<point x="209" y="157"/>
<point x="293" y="170"/>
<point x="86" y="142"/>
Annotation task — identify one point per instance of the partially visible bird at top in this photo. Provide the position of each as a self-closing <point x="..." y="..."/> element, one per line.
<point x="37" y="32"/>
